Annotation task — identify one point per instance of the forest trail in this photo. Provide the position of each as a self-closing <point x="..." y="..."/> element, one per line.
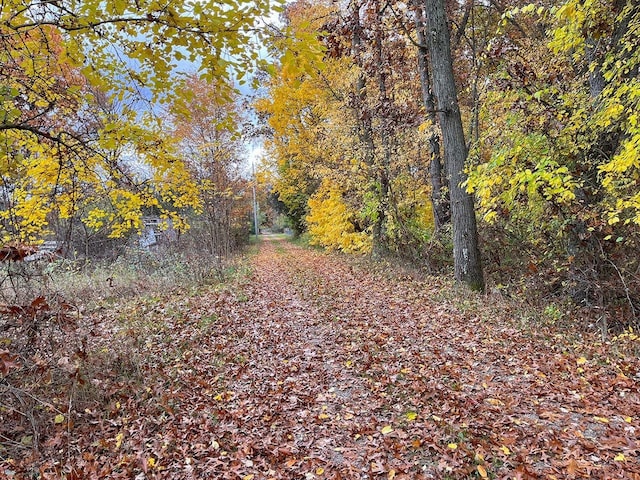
<point x="318" y="366"/>
<point x="338" y="372"/>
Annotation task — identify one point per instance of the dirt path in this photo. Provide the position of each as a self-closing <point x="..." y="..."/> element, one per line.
<point x="335" y="373"/>
<point x="319" y="368"/>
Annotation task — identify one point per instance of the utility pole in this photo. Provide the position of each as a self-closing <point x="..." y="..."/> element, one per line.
<point x="255" y="201"/>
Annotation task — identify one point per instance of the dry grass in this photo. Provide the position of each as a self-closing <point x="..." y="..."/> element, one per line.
<point x="83" y="344"/>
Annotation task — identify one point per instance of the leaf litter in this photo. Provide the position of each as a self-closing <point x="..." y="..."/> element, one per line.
<point x="316" y="366"/>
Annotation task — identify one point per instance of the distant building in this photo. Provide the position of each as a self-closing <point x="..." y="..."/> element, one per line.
<point x="155" y="232"/>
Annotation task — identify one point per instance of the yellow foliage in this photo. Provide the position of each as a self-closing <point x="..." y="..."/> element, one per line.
<point x="331" y="223"/>
<point x="310" y="136"/>
<point x="72" y="140"/>
<point x="523" y="172"/>
<point x="579" y="24"/>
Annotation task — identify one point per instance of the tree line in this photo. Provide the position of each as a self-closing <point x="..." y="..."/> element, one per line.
<point x="500" y="137"/>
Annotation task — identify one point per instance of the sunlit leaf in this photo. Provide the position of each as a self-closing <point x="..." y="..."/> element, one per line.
<point x="482" y="471"/>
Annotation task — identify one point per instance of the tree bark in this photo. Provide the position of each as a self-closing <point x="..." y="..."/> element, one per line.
<point x="466" y="254"/>
<point x="439" y="187"/>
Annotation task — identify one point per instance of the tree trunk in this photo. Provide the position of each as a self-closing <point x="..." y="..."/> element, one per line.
<point x="466" y="255"/>
<point x="367" y="138"/>
<point x="439" y="187"/>
<point x="381" y="241"/>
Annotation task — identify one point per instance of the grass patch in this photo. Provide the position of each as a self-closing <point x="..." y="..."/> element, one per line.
<point x="204" y="323"/>
<point x="304" y="241"/>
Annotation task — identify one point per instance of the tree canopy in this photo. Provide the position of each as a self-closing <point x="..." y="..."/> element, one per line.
<point x="79" y="86"/>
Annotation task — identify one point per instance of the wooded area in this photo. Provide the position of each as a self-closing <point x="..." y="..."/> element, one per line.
<point x="542" y="134"/>
<point x="385" y="122"/>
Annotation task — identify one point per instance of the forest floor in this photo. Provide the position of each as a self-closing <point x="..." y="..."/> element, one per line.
<point x="316" y="366"/>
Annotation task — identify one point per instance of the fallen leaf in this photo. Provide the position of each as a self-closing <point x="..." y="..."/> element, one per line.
<point x="386" y="430"/>
<point x="482" y="471"/>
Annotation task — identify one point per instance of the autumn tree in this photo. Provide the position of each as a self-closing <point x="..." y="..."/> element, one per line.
<point x="439" y="182"/>
<point x="206" y="126"/>
<point x="555" y="161"/>
<point x="364" y="96"/>
<point x="55" y="56"/>
<point x="466" y="253"/>
<point x="310" y="135"/>
<point x="387" y="107"/>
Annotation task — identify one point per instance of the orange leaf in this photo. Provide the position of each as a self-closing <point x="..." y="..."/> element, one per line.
<point x="482" y="471"/>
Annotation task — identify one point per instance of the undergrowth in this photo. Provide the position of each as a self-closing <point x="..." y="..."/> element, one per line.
<point x="520" y="306"/>
<point x="75" y="337"/>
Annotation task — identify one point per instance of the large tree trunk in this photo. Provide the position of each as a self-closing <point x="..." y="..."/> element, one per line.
<point x="466" y="255"/>
<point x="439" y="187"/>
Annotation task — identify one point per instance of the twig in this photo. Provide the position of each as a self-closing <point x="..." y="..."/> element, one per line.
<point x="624" y="283"/>
<point x="34" y="428"/>
<point x="626" y="289"/>
<point x="33" y="397"/>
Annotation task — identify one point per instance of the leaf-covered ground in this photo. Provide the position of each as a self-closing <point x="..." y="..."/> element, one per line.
<point x="316" y="367"/>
